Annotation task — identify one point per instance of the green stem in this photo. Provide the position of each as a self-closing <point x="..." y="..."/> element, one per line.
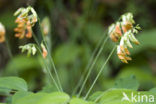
<point x="91" y="68"/>
<point x="47" y="68"/>
<point x="50" y="58"/>
<point x="102" y="68"/>
<point x="88" y="65"/>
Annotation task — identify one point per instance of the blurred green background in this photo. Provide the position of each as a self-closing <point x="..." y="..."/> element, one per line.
<point x="76" y="28"/>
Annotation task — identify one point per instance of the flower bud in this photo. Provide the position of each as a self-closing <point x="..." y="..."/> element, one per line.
<point x="45" y="24"/>
<point x="44" y="51"/>
<point x="30" y="48"/>
<point x="2" y="33"/>
<point x="133" y="39"/>
<point x="115" y="32"/>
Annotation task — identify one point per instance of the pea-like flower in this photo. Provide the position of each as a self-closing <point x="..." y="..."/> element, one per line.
<point x="123" y="33"/>
<point x="26" y="18"/>
<point x="44" y="51"/>
<point x="30" y="48"/>
<point x="2" y="33"/>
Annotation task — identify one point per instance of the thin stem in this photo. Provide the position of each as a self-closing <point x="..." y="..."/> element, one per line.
<point x="47" y="68"/>
<point x="57" y="77"/>
<point x="91" y="68"/>
<point x="88" y="65"/>
<point x="51" y="58"/>
<point x="102" y="68"/>
<point x="93" y="54"/>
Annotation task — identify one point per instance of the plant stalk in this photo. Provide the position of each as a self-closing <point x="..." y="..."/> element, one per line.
<point x="92" y="65"/>
<point x="50" y="57"/>
<point x="46" y="66"/>
<point x="102" y="68"/>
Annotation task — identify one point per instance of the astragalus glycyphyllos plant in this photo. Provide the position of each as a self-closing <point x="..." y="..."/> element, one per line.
<point x="122" y="33"/>
<point x="26" y="19"/>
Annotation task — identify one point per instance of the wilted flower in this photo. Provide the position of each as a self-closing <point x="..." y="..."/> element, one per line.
<point x="2" y="33"/>
<point x="30" y="48"/>
<point x="44" y="51"/>
<point x="45" y="24"/>
<point x="26" y="19"/>
<point x="124" y="33"/>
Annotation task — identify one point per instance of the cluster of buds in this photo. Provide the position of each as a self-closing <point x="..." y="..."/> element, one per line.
<point x="26" y="18"/>
<point x="30" y="48"/>
<point x="123" y="32"/>
<point x="2" y="33"/>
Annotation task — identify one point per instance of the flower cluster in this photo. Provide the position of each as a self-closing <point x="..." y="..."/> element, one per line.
<point x="26" y="18"/>
<point x="2" y="33"/>
<point x="123" y="32"/>
<point x="31" y="49"/>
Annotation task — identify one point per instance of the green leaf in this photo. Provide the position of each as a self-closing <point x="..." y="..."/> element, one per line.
<point x="79" y="101"/>
<point x="55" y="98"/>
<point x="44" y="98"/>
<point x="4" y="91"/>
<point x="115" y="96"/>
<point x="127" y="83"/>
<point x="153" y="90"/>
<point x="146" y="79"/>
<point x="30" y="99"/>
<point x="95" y="95"/>
<point x="18" y="95"/>
<point x="13" y="83"/>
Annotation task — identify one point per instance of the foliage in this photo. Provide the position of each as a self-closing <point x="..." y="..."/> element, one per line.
<point x="110" y="96"/>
